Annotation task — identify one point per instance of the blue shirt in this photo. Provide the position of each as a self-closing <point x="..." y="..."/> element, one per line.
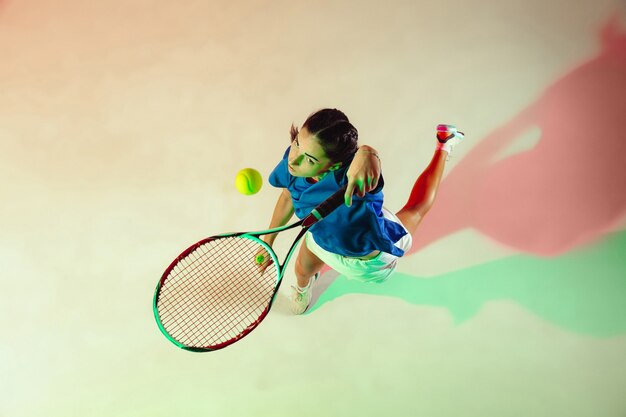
<point x="348" y="231"/>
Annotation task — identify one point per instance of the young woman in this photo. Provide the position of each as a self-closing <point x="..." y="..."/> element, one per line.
<point x="361" y="239"/>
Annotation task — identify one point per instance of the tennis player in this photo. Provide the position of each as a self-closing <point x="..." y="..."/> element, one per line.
<point x="361" y="239"/>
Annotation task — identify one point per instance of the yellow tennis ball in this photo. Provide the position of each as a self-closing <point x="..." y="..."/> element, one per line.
<point x="248" y="181"/>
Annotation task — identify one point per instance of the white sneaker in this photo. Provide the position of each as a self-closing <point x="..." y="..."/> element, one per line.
<point x="448" y="137"/>
<point x="301" y="297"/>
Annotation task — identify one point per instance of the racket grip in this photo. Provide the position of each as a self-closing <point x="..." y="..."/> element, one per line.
<point x="325" y="208"/>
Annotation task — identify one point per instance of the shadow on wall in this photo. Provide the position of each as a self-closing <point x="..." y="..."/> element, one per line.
<point x="581" y="291"/>
<point x="567" y="190"/>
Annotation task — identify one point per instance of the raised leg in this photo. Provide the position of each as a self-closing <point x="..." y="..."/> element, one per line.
<point x="423" y="193"/>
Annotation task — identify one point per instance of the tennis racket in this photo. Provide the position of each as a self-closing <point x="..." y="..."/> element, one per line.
<point x="218" y="290"/>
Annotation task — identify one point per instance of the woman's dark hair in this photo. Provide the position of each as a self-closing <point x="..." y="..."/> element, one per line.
<point x="335" y="133"/>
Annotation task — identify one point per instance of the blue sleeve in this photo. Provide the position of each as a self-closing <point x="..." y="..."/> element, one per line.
<point x="280" y="176"/>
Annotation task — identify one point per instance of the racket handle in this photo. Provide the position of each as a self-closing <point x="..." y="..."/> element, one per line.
<point x="325" y="208"/>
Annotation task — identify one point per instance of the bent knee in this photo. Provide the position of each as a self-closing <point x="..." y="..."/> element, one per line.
<point x="410" y="219"/>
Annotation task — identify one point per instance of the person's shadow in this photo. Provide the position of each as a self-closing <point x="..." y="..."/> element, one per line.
<point x="568" y="189"/>
<point x="581" y="291"/>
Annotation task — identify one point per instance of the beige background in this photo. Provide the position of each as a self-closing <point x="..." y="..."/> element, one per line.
<point x="122" y="126"/>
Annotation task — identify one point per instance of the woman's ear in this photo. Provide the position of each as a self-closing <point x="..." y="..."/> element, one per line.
<point x="335" y="167"/>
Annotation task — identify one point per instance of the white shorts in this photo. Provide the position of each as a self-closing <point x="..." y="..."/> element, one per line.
<point x="374" y="270"/>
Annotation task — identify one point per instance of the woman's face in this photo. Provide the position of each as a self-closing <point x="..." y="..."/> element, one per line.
<point x="307" y="157"/>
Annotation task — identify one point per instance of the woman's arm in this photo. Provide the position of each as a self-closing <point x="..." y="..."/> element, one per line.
<point x="363" y="173"/>
<point x="282" y="213"/>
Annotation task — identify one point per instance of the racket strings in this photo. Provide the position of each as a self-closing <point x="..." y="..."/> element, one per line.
<point x="216" y="293"/>
<point x="192" y="268"/>
<point x="192" y="326"/>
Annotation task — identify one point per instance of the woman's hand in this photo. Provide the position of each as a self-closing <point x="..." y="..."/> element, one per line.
<point x="363" y="173"/>
<point x="262" y="259"/>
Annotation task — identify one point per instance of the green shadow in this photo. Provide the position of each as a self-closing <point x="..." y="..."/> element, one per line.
<point x="582" y="291"/>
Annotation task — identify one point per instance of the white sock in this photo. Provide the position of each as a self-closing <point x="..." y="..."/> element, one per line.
<point x="444" y="147"/>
